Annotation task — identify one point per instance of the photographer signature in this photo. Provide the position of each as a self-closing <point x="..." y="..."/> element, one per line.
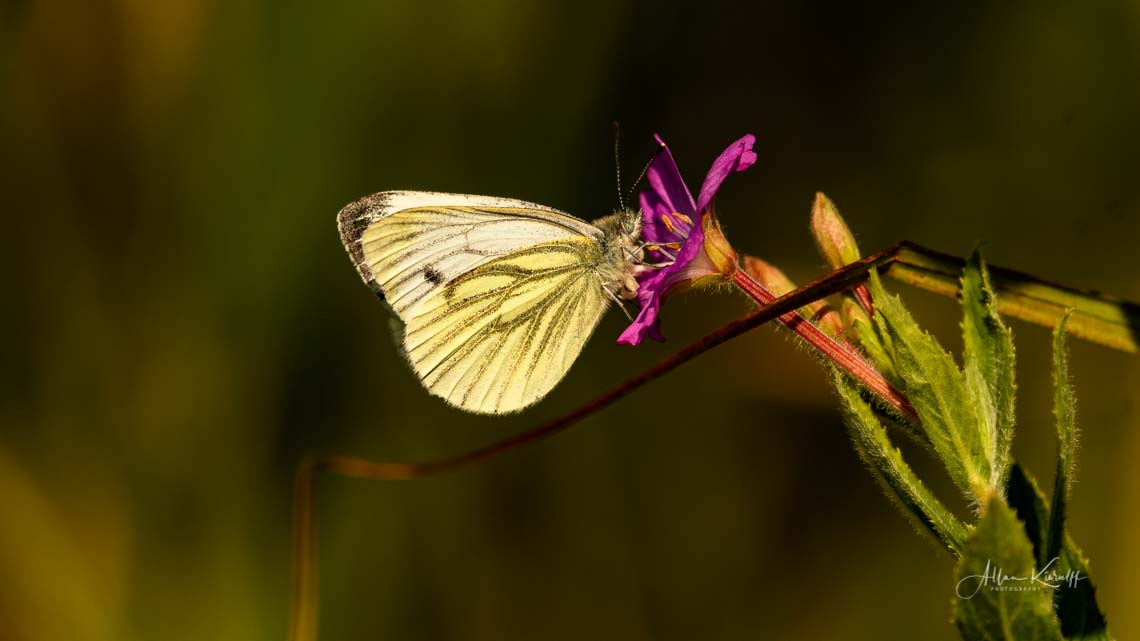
<point x="993" y="575"/>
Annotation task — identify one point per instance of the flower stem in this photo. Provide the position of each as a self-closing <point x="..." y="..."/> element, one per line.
<point x="841" y="354"/>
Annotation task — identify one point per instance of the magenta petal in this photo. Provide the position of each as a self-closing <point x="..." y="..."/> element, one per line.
<point x="669" y="195"/>
<point x="646" y="323"/>
<point x="665" y="179"/>
<point x="652" y="206"/>
<point x="737" y="157"/>
<point x="652" y="203"/>
<point x="651" y="291"/>
<point x="694" y="244"/>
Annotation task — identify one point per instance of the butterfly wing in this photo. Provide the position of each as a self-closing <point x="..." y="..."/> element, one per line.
<point x="497" y="296"/>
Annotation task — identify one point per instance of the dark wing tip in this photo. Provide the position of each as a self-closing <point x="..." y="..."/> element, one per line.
<point x="352" y="220"/>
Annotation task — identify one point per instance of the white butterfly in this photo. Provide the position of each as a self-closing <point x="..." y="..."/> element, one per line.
<point x="497" y="296"/>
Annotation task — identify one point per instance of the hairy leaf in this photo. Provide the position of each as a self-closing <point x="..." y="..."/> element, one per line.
<point x="1075" y="602"/>
<point x="989" y="349"/>
<point x="953" y="412"/>
<point x="1064" y="409"/>
<point x="893" y="474"/>
<point x="997" y="595"/>
<point x="862" y="332"/>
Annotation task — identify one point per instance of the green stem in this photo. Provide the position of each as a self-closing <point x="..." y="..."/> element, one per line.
<point x="1096" y="317"/>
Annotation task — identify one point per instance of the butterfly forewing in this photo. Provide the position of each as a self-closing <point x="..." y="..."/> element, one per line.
<point x="498" y="296"/>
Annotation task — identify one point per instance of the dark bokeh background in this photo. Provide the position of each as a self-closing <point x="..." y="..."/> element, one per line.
<point x="180" y="321"/>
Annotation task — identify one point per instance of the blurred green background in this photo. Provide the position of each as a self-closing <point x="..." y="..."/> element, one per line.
<point x="181" y="323"/>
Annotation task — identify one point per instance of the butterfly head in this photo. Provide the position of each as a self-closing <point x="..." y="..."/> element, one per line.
<point x="629" y="224"/>
<point x="624" y="254"/>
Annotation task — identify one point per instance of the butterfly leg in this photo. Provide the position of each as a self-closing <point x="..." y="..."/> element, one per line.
<point x="617" y="299"/>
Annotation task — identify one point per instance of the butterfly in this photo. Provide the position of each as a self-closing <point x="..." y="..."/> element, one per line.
<point x="496" y="296"/>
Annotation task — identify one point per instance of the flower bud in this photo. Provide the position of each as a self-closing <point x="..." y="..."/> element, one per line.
<point x="836" y="243"/>
<point x="853" y="313"/>
<point x="771" y="277"/>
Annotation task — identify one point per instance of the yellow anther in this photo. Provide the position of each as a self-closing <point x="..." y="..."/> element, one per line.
<point x="682" y="217"/>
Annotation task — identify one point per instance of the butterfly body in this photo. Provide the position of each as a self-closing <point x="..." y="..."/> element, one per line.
<point x="497" y="296"/>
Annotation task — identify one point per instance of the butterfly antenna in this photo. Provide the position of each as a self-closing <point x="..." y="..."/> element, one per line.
<point x="645" y="169"/>
<point x="617" y="162"/>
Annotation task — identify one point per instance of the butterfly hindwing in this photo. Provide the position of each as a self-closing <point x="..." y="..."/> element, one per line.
<point x="502" y="335"/>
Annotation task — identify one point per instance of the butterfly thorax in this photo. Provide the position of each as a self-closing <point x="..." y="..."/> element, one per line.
<point x="622" y="252"/>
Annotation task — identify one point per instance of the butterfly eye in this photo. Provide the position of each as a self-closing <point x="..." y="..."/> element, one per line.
<point x="629" y="222"/>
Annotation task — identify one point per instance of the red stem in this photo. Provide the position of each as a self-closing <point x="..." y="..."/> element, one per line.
<point x="841" y="354"/>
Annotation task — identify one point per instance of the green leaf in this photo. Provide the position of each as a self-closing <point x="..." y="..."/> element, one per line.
<point x="989" y="349"/>
<point x="952" y="407"/>
<point x="1081" y="618"/>
<point x="1075" y="603"/>
<point x="1027" y="500"/>
<point x="862" y="332"/>
<point x="893" y="474"/>
<point x="997" y="596"/>
<point x="1064" y="409"/>
<point x="1097" y="317"/>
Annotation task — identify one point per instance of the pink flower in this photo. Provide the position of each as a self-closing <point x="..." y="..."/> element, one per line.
<point x="681" y="234"/>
